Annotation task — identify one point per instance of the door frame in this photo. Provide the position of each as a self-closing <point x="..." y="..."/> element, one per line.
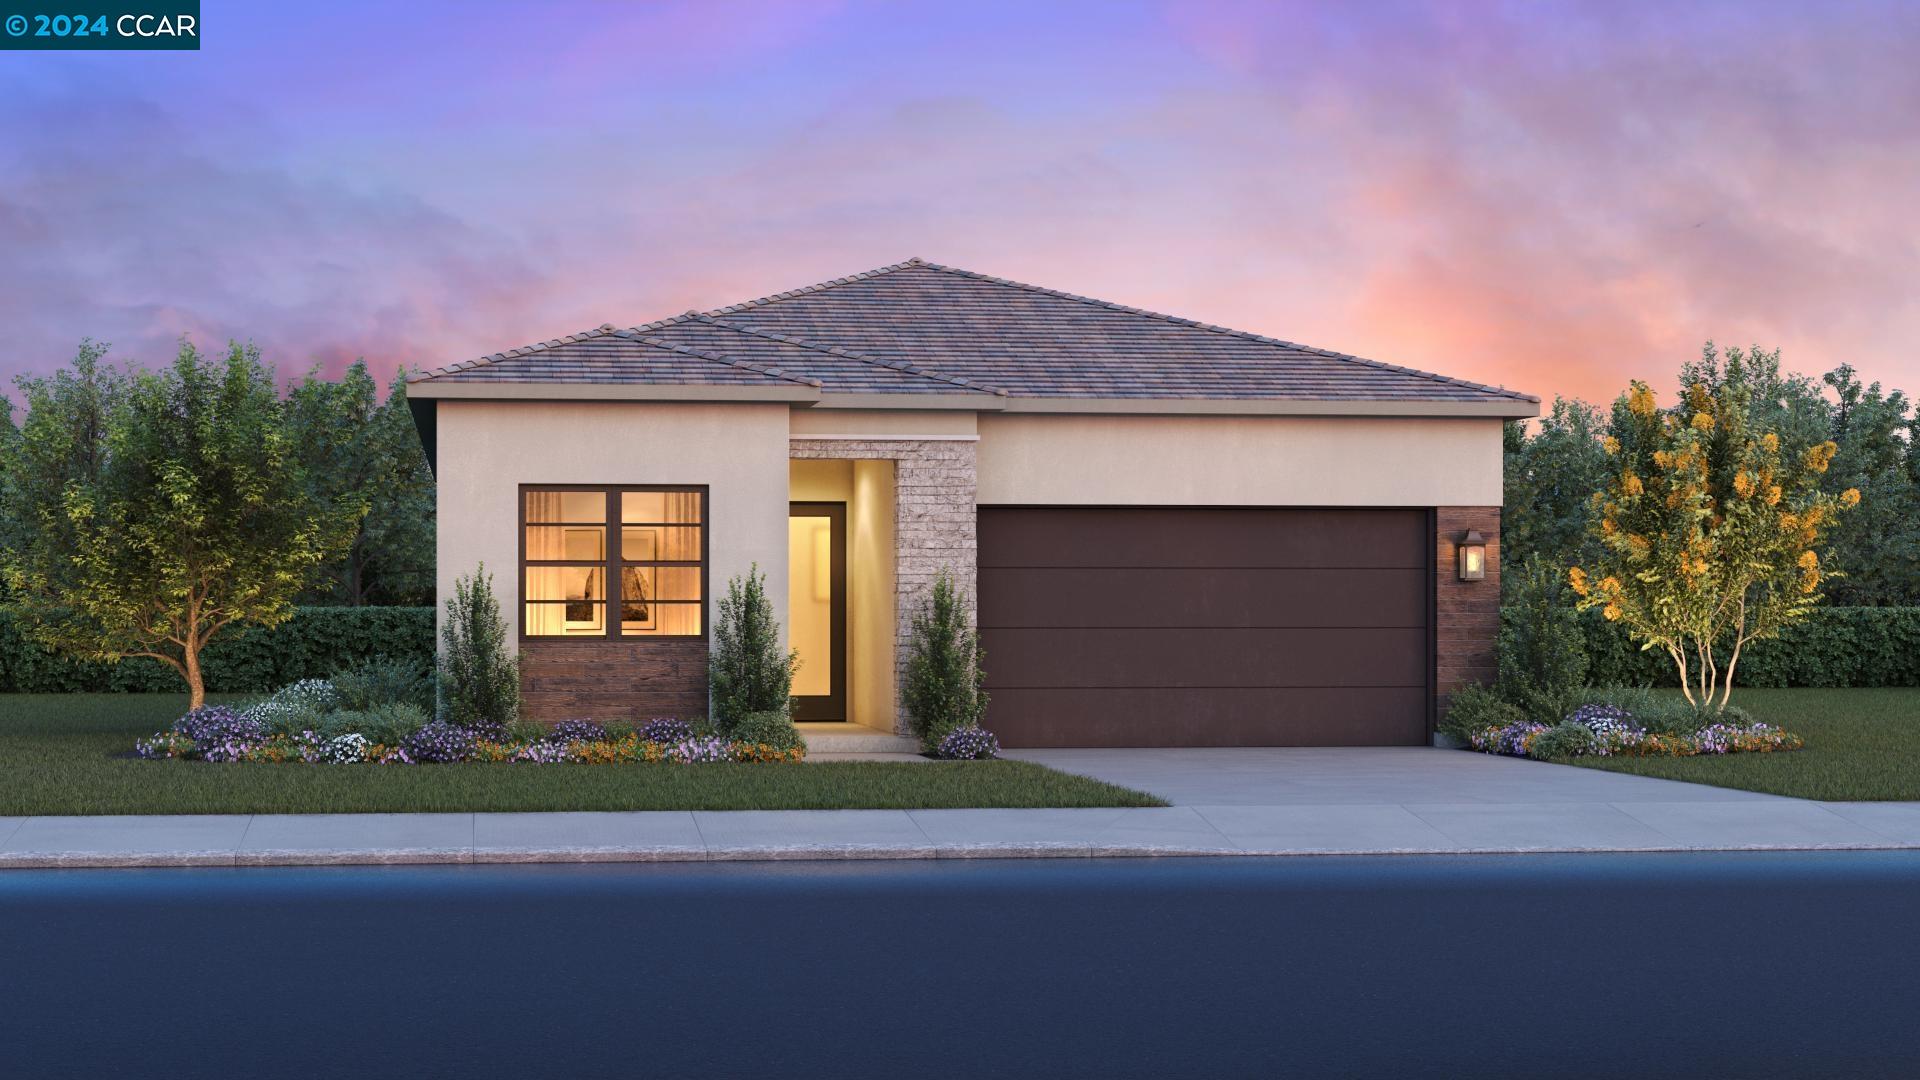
<point x="831" y="706"/>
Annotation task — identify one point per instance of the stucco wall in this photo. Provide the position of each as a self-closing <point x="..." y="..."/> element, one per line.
<point x="1238" y="461"/>
<point x="487" y="449"/>
<point x="819" y="420"/>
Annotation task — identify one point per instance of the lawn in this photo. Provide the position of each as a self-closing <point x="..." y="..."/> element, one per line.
<point x="1861" y="745"/>
<point x="58" y="755"/>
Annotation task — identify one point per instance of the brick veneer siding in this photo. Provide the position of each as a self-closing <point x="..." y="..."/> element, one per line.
<point x="1467" y="612"/>
<point x="934" y="521"/>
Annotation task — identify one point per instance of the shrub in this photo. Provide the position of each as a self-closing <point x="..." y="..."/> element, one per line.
<point x="344" y="749"/>
<point x="479" y="681"/>
<point x="748" y="672"/>
<point x="970" y="743"/>
<point x="296" y="707"/>
<point x="943" y="689"/>
<point x="572" y="731"/>
<point x="384" y="680"/>
<point x="1543" y="659"/>
<point x="772" y="727"/>
<point x="315" y="643"/>
<point x="387" y="725"/>
<point x="1603" y="718"/>
<point x="1832" y="646"/>
<point x="1563" y="740"/>
<point x="665" y="729"/>
<point x="217" y="723"/>
<point x="439" y="741"/>
<point x="1473" y="709"/>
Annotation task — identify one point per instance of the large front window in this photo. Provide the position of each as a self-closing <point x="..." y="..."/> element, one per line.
<point x="649" y="541"/>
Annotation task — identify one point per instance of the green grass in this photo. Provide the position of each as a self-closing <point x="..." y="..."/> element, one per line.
<point x="1861" y="745"/>
<point x="57" y="756"/>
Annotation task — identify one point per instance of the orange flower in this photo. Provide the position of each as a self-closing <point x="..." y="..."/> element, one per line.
<point x="1743" y="484"/>
<point x="1630" y="484"/>
<point x="1702" y="421"/>
<point x="1577" y="580"/>
<point x="1771" y="442"/>
<point x="1850" y="497"/>
<point x="1610" y="444"/>
<point x="1640" y="402"/>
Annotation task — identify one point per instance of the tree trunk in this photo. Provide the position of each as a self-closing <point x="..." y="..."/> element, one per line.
<point x="196" y="684"/>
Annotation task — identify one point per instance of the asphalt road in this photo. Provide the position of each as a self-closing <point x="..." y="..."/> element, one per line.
<point x="1748" y="965"/>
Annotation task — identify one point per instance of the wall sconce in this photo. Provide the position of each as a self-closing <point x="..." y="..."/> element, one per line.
<point x="1473" y="556"/>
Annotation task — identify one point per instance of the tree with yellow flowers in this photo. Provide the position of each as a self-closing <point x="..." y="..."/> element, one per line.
<point x="1708" y="531"/>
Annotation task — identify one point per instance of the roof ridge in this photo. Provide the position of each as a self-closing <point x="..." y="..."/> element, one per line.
<point x="851" y="354"/>
<point x="820" y="286"/>
<point x="732" y="361"/>
<point x="1178" y="321"/>
<point x="603" y="330"/>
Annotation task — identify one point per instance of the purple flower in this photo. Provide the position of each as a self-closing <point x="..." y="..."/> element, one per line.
<point x="569" y="731"/>
<point x="969" y="743"/>
<point x="217" y="723"/>
<point x="437" y="741"/>
<point x="700" y="751"/>
<point x="666" y="730"/>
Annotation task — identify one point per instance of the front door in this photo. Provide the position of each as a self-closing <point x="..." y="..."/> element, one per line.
<point x="817" y="607"/>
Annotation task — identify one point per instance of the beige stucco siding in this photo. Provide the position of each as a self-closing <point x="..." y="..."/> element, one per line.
<point x="820" y="421"/>
<point x="1238" y="461"/>
<point x="488" y="449"/>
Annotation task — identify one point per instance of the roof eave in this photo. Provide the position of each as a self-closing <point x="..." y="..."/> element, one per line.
<point x="1492" y="408"/>
<point x="504" y="390"/>
<point x="977" y="402"/>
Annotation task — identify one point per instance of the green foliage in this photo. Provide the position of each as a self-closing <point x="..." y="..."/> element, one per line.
<point x="1476" y="708"/>
<point x="1561" y="741"/>
<point x="1833" y="646"/>
<point x="479" y="679"/>
<point x="1543" y="659"/>
<point x="748" y="671"/>
<point x="772" y="727"/>
<point x="152" y="510"/>
<point x="313" y="644"/>
<point x="349" y="443"/>
<point x="943" y="679"/>
<point x="388" y="724"/>
<point x="385" y="680"/>
<point x="1550" y="475"/>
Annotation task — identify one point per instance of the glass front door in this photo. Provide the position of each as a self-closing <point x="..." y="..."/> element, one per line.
<point x="817" y="607"/>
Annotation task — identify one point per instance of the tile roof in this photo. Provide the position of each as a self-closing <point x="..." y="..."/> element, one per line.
<point x="918" y="328"/>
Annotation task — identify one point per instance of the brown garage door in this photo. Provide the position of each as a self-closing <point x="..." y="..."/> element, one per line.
<point x="1205" y="627"/>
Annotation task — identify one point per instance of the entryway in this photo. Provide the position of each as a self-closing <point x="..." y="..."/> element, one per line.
<point x="817" y="608"/>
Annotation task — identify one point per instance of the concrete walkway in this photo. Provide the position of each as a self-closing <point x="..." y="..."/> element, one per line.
<point x="1226" y="802"/>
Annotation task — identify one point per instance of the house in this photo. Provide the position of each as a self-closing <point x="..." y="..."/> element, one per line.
<point x="1177" y="534"/>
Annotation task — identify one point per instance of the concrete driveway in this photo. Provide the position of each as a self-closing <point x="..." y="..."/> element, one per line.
<point x="1423" y="799"/>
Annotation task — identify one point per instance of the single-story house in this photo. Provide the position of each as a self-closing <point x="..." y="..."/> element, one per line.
<point x="1175" y="534"/>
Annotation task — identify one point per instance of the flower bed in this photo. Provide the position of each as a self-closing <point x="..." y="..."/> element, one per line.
<point x="1610" y="738"/>
<point x="304" y="724"/>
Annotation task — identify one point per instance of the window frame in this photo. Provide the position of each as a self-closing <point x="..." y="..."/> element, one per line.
<point x="614" y="563"/>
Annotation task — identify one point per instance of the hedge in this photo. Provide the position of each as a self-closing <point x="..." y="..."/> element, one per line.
<point x="315" y="643"/>
<point x="1833" y="646"/>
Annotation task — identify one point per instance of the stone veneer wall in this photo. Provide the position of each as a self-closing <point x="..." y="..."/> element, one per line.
<point x="934" y="517"/>
<point x="1468" y="612"/>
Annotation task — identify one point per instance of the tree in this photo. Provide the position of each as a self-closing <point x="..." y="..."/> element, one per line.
<point x="1708" y="527"/>
<point x="944" y="683"/>
<point x="1876" y="550"/>
<point x="749" y="672"/>
<point x="154" y="510"/>
<point x="350" y="442"/>
<point x="1550" y="475"/>
<point x="479" y="679"/>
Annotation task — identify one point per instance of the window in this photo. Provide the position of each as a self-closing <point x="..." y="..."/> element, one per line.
<point x="649" y="542"/>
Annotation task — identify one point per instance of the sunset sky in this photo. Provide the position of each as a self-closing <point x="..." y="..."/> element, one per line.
<point x="1554" y="197"/>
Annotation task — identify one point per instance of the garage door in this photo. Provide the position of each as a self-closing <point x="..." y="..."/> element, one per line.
<point x="1205" y="627"/>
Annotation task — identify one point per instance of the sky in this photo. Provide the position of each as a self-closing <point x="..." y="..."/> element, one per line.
<point x="1555" y="197"/>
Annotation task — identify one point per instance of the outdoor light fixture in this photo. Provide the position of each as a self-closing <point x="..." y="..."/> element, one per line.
<point x="1473" y="555"/>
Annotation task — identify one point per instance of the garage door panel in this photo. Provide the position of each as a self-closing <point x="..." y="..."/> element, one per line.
<point x="1239" y="717"/>
<point x="1202" y="538"/>
<point x="1204" y="657"/>
<point x="1177" y="598"/>
<point x="1182" y="626"/>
